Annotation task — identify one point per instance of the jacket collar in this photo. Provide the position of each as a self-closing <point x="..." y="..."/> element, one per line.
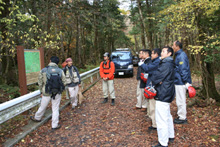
<point x="167" y="59"/>
<point x="156" y="59"/>
<point x="52" y="64"/>
<point x="179" y="51"/>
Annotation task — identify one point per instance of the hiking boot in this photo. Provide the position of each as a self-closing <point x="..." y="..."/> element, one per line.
<point x="143" y="109"/>
<point x="152" y="128"/>
<point x="113" y="102"/>
<point x="104" y="101"/>
<point x="180" y="121"/>
<point x="159" y="145"/>
<point x="171" y="140"/>
<point x="35" y="120"/>
<point x="59" y="126"/>
<point x="136" y="108"/>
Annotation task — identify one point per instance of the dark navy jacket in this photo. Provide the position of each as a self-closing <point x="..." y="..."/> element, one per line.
<point x="143" y="84"/>
<point x="139" y="73"/>
<point x="182" y="68"/>
<point x="151" y="68"/>
<point x="163" y="80"/>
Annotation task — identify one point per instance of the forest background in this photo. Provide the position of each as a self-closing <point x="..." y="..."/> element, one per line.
<point x="85" y="29"/>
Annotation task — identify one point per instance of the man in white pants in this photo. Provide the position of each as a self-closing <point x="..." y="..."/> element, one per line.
<point x="163" y="80"/>
<point x="107" y="69"/>
<point x="150" y="69"/>
<point x="142" y="102"/>
<point x="182" y="81"/>
<point x="46" y="96"/>
<point x="140" y="91"/>
<point x="73" y="81"/>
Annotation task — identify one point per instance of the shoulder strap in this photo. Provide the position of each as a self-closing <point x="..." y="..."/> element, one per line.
<point x="108" y="66"/>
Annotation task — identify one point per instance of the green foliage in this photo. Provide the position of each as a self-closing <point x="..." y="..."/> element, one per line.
<point x="10" y="91"/>
<point x="198" y="17"/>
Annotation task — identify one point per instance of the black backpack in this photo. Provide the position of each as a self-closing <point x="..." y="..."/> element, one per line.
<point x="54" y="83"/>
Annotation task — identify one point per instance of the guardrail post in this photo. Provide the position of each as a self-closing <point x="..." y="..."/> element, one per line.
<point x="91" y="79"/>
<point x="82" y="85"/>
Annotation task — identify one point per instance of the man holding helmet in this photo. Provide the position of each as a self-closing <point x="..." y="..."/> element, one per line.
<point x="182" y="81"/>
<point x="107" y="69"/>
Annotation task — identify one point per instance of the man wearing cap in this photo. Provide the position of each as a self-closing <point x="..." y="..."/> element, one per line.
<point x="73" y="81"/>
<point x="107" y="69"/>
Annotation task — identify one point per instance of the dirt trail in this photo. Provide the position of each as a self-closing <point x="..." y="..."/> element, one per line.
<point x="96" y="124"/>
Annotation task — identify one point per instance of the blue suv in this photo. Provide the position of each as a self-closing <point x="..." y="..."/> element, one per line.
<point x="123" y="61"/>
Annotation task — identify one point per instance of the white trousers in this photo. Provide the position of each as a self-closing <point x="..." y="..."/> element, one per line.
<point x="73" y="91"/>
<point x="164" y="121"/>
<point x="142" y="102"/>
<point x="181" y="101"/>
<point x="151" y="111"/>
<point x="55" y="109"/>
<point x="108" y="86"/>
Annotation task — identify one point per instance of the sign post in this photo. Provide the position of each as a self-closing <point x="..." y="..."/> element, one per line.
<point x="21" y="70"/>
<point x="30" y="62"/>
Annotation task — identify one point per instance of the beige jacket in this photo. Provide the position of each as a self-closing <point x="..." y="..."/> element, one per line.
<point x="42" y="79"/>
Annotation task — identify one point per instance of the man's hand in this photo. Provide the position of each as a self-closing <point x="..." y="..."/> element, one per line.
<point x="187" y="85"/>
<point x="105" y="79"/>
<point x="140" y="63"/>
<point x="79" y="85"/>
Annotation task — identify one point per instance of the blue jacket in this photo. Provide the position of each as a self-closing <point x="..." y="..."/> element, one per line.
<point x="182" y="68"/>
<point x="163" y="80"/>
<point x="151" y="68"/>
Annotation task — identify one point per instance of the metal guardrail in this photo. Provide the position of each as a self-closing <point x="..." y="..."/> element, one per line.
<point x="23" y="103"/>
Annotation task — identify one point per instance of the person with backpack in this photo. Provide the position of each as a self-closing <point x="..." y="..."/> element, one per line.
<point x="73" y="81"/>
<point x="51" y="83"/>
<point x="107" y="69"/>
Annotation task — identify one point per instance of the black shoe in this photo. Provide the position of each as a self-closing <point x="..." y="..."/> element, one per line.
<point x="59" y="126"/>
<point x="152" y="128"/>
<point x="104" y="101"/>
<point x="159" y="145"/>
<point x="179" y="121"/>
<point x="113" y="102"/>
<point x="171" y="140"/>
<point x="33" y="119"/>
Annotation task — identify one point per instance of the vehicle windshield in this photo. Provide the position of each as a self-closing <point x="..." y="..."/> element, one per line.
<point x="121" y="56"/>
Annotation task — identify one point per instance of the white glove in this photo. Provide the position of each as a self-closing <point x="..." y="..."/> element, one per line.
<point x="187" y="85"/>
<point x="140" y="63"/>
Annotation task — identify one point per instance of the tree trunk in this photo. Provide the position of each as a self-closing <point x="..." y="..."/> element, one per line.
<point x="149" y="32"/>
<point x="208" y="77"/>
<point x="4" y="50"/>
<point x="208" y="82"/>
<point x="136" y="43"/>
<point x="142" y="25"/>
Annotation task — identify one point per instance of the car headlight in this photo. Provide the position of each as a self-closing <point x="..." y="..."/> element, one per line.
<point x="130" y="66"/>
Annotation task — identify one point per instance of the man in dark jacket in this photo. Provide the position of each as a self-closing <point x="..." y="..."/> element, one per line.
<point x="182" y="81"/>
<point x="150" y="69"/>
<point x="141" y="101"/>
<point x="163" y="80"/>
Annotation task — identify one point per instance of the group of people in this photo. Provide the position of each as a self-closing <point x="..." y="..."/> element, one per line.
<point x="169" y="78"/>
<point x="52" y="81"/>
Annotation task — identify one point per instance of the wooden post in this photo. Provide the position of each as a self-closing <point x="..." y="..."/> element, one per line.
<point x="41" y="58"/>
<point x="21" y="70"/>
